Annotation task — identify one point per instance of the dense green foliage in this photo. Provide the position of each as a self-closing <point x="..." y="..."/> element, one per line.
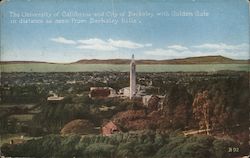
<point x="54" y="116"/>
<point x="227" y="97"/>
<point x="138" y="145"/>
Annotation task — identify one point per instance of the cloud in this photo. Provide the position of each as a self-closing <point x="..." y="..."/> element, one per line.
<point x="161" y="52"/>
<point x="222" y="46"/>
<point x="170" y="53"/>
<point x="63" y="40"/>
<point x="148" y="45"/>
<point x="126" y="44"/>
<point x="92" y="41"/>
<point x="178" y="47"/>
<point x="239" y="51"/>
<point x="102" y="45"/>
<point x="97" y="46"/>
<point x="170" y="50"/>
<point x="236" y="51"/>
<point x="108" y="45"/>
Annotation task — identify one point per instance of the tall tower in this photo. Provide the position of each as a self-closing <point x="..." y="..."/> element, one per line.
<point x="132" y="78"/>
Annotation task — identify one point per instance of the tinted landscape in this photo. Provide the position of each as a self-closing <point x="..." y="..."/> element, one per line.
<point x="175" y="125"/>
<point x="195" y="64"/>
<point x="124" y="79"/>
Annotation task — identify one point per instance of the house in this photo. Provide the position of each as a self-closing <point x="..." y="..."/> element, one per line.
<point x="102" y="92"/>
<point x="153" y="102"/>
<point x="55" y="98"/>
<point x="17" y="141"/>
<point x="139" y="91"/>
<point x="109" y="128"/>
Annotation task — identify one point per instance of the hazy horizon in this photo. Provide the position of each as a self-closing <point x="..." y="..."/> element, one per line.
<point x="67" y="31"/>
<point x="118" y="59"/>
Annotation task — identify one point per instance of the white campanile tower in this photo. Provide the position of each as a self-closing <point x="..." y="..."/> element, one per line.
<point x="132" y="78"/>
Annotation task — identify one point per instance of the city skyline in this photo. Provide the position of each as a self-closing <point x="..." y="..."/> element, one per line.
<point x="222" y="31"/>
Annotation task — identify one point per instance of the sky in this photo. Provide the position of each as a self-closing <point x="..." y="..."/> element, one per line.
<point x="67" y="31"/>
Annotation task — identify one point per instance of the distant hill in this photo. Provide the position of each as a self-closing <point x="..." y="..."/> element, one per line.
<point x="25" y="62"/>
<point x="190" y="60"/>
<point x="100" y="61"/>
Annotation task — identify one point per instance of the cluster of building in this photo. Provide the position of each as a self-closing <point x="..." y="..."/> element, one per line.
<point x="54" y="97"/>
<point x="133" y="91"/>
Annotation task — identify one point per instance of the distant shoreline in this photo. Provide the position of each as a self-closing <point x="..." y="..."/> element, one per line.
<point x="44" y="67"/>
<point x="184" y="61"/>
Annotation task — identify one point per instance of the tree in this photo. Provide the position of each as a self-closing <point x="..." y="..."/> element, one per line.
<point x="202" y="109"/>
<point x="221" y="148"/>
<point x="100" y="150"/>
<point x="126" y="149"/>
<point x="68" y="146"/>
<point x="176" y="107"/>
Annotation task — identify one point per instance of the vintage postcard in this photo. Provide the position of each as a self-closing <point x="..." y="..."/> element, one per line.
<point x="124" y="78"/>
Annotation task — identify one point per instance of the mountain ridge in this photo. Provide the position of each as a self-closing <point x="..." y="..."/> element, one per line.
<point x="189" y="60"/>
